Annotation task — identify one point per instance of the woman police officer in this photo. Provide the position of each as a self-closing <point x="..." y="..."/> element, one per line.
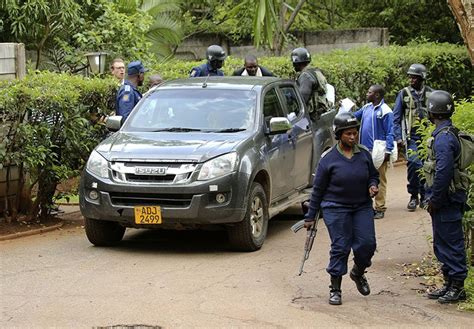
<point x="345" y="181"/>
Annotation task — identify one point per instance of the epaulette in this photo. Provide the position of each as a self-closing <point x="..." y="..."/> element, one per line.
<point x="127" y="88"/>
<point x="327" y="151"/>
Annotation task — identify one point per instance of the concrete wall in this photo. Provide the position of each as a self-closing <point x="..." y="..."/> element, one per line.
<point x="316" y="42"/>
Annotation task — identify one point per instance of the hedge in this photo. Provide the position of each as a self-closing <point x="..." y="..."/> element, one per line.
<point x="353" y="71"/>
<point x="49" y="126"/>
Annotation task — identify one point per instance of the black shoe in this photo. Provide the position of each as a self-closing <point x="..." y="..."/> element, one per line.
<point x="435" y="294"/>
<point x="424" y="203"/>
<point x="455" y="293"/>
<point x="411" y="206"/>
<point x="335" y="294"/>
<point x="360" y="281"/>
<point x="379" y="214"/>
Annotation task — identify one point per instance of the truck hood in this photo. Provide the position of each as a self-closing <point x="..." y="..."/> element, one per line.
<point x="166" y="146"/>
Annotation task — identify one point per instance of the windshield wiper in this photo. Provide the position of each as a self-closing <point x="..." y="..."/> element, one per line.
<point x="178" y="129"/>
<point x="230" y="130"/>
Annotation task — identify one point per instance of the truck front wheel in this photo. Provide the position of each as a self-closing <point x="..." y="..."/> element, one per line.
<point x="249" y="234"/>
<point x="103" y="233"/>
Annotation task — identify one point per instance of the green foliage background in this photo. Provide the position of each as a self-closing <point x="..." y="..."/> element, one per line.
<point x="353" y="71"/>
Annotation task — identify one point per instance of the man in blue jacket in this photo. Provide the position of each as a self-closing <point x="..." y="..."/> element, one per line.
<point x="128" y="95"/>
<point x="215" y="56"/>
<point x="446" y="199"/>
<point x="410" y="108"/>
<point x="376" y="119"/>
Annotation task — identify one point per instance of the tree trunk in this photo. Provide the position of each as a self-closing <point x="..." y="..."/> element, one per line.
<point x="463" y="11"/>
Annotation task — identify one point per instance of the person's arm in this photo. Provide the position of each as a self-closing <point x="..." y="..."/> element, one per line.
<point x="305" y="86"/>
<point x="195" y="72"/>
<point x="358" y="114"/>
<point x="388" y="129"/>
<point x="398" y="117"/>
<point x="320" y="183"/>
<point x="126" y="101"/>
<point x="373" y="173"/>
<point x="444" y="148"/>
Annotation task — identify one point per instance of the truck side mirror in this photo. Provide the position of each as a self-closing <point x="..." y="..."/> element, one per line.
<point x="279" y="125"/>
<point x="113" y="123"/>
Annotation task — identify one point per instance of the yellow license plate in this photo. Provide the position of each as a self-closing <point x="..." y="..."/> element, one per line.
<point x="147" y="214"/>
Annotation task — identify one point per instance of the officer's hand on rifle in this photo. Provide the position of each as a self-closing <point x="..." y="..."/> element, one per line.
<point x="308" y="224"/>
<point x="373" y="191"/>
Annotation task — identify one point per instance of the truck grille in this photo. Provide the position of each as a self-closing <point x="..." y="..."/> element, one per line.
<point x="144" y="199"/>
<point x="152" y="173"/>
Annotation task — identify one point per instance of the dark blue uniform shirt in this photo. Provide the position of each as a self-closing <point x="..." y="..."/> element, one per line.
<point x="204" y="70"/>
<point x="127" y="97"/>
<point x="446" y="149"/>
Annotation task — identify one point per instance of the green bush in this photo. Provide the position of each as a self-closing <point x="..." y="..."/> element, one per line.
<point x="49" y="123"/>
<point x="353" y="71"/>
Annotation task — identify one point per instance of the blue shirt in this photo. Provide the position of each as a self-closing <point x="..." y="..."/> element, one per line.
<point x="446" y="148"/>
<point x="376" y="122"/>
<point x="127" y="97"/>
<point x="204" y="70"/>
<point x="343" y="181"/>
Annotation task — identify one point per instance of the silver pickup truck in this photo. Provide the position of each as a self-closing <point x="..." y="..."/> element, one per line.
<point x="232" y="152"/>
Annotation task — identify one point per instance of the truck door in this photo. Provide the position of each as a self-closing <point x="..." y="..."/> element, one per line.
<point x="279" y="148"/>
<point x="301" y="137"/>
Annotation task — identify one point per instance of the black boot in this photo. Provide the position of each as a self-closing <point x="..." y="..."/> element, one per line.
<point x="335" y="297"/>
<point x="357" y="275"/>
<point x="435" y="294"/>
<point x="454" y="294"/>
<point x="411" y="206"/>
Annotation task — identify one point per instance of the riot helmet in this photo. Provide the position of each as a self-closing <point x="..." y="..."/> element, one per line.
<point x="300" y="55"/>
<point x="215" y="52"/>
<point x="343" y="121"/>
<point x="418" y="70"/>
<point x="440" y="102"/>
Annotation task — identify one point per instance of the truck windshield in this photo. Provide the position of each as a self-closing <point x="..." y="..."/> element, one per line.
<point x="184" y="110"/>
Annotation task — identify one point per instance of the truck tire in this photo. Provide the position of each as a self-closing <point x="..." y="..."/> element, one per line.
<point x="103" y="233"/>
<point x="249" y="234"/>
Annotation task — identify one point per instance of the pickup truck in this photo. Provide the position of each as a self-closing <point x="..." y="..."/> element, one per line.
<point x="226" y="151"/>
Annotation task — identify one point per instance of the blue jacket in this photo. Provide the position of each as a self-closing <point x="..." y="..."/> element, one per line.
<point x="204" y="70"/>
<point x="419" y="101"/>
<point x="127" y="97"/>
<point x="446" y="149"/>
<point x="376" y="122"/>
<point x="342" y="181"/>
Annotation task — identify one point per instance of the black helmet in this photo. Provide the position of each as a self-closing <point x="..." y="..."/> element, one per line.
<point x="300" y="55"/>
<point x="417" y="69"/>
<point x="215" y="52"/>
<point x="440" y="102"/>
<point x="344" y="120"/>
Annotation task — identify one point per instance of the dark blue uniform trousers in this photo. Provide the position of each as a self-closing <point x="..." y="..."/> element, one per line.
<point x="415" y="184"/>
<point x="350" y="227"/>
<point x="448" y="241"/>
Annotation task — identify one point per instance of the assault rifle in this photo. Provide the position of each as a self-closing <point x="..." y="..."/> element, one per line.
<point x="310" y="235"/>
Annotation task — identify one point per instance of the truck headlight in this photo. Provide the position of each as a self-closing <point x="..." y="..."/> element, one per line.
<point x="219" y="166"/>
<point x="98" y="165"/>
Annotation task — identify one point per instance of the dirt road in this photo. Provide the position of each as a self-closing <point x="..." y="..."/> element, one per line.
<point x="190" y="279"/>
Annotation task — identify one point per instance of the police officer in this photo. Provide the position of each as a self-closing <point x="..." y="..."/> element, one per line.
<point x="445" y="199"/>
<point x="311" y="83"/>
<point x="410" y="108"/>
<point x="128" y="94"/>
<point x="215" y="59"/>
<point x="345" y="181"/>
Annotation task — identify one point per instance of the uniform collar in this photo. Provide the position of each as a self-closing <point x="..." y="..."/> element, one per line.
<point x="443" y="124"/>
<point x="128" y="83"/>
